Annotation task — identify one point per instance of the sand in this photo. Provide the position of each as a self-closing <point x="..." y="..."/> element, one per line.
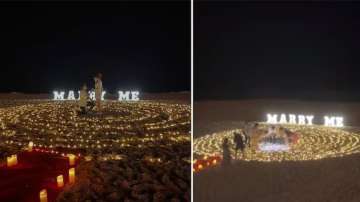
<point x="335" y="179"/>
<point x="145" y="170"/>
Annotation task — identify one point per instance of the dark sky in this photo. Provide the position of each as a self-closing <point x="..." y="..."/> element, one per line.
<point x="277" y="50"/>
<point x="46" y="46"/>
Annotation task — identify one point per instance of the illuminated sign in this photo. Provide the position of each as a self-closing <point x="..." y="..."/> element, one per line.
<point x="123" y="95"/>
<point x="300" y="119"/>
<point x="129" y="95"/>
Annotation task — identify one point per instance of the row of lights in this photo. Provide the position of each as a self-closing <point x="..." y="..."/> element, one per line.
<point x="12" y="161"/>
<point x="205" y="162"/>
<point x="314" y="142"/>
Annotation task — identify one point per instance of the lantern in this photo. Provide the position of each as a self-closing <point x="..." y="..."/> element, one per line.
<point x="71" y="175"/>
<point x="60" y="181"/>
<point x="43" y="195"/>
<point x="71" y="159"/>
<point x="31" y="144"/>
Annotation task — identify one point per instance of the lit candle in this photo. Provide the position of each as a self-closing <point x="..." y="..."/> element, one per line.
<point x="71" y="175"/>
<point x="9" y="161"/>
<point x="43" y="195"/>
<point x="60" y="181"/>
<point x="14" y="159"/>
<point x="71" y="159"/>
<point x="31" y="144"/>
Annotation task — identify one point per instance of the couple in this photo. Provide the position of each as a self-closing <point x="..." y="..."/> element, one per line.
<point x="240" y="143"/>
<point x="84" y="103"/>
<point x="241" y="140"/>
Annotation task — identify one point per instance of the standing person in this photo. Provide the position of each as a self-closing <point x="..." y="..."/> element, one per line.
<point x="254" y="134"/>
<point x="239" y="143"/>
<point x="226" y="153"/>
<point x="83" y="99"/>
<point x="249" y="132"/>
<point x="98" y="90"/>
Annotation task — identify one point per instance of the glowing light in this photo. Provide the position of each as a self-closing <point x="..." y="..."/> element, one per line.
<point x="30" y="148"/>
<point x="309" y="120"/>
<point x="333" y="121"/>
<point x="272" y="118"/>
<point x="59" y="96"/>
<point x="60" y="181"/>
<point x="271" y="147"/>
<point x="303" y="120"/>
<point x="311" y="142"/>
<point x="135" y="95"/>
<point x="71" y="95"/>
<point x="12" y="160"/>
<point x="71" y="159"/>
<point x="292" y="118"/>
<point x="72" y="175"/>
<point x="282" y="119"/>
<point x="126" y="95"/>
<point x="43" y="195"/>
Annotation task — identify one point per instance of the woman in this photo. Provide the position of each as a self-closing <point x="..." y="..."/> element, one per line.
<point x="83" y="99"/>
<point x="226" y="152"/>
<point x="98" y="90"/>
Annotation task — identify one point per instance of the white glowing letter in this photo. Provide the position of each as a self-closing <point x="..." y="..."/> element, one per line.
<point x="301" y="120"/>
<point x="329" y="121"/>
<point x="103" y="95"/>
<point x="124" y="96"/>
<point x="59" y="96"/>
<point x="79" y="95"/>
<point x="309" y="119"/>
<point x="71" y="95"/>
<point x="292" y="119"/>
<point x="134" y="95"/>
<point x="272" y="118"/>
<point x="282" y="119"/>
<point x="339" y="122"/>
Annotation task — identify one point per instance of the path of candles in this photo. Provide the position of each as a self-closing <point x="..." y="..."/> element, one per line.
<point x="120" y="125"/>
<point x="34" y="171"/>
<point x="316" y="142"/>
<point x="141" y="137"/>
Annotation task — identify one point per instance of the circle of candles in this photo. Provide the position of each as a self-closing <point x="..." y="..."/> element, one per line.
<point x="43" y="195"/>
<point x="71" y="175"/>
<point x="71" y="159"/>
<point x="60" y="181"/>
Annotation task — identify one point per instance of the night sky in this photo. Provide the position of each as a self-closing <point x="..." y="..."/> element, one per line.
<point x="143" y="46"/>
<point x="277" y="50"/>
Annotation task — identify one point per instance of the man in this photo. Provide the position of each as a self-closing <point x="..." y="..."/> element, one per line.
<point x="249" y="132"/>
<point x="98" y="90"/>
<point x="239" y="143"/>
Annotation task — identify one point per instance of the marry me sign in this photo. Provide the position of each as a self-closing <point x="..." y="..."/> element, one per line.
<point x="122" y="95"/>
<point x="300" y="119"/>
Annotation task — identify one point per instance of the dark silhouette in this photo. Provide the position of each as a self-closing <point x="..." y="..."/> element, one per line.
<point x="226" y="153"/>
<point x="239" y="143"/>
